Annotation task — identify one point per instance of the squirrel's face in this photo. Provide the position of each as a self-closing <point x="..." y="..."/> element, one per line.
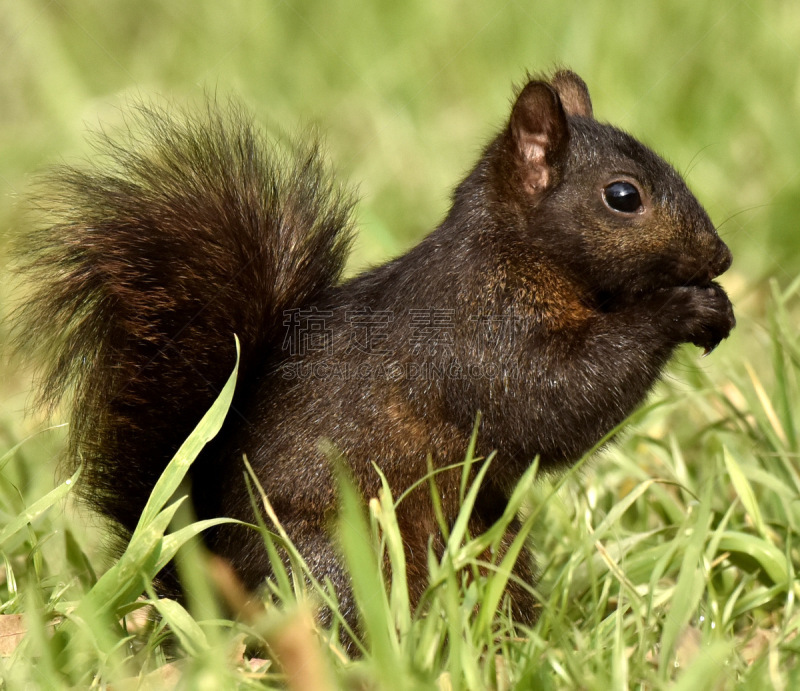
<point x="600" y="203"/>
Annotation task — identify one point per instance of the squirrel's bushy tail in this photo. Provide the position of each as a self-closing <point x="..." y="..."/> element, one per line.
<point x="188" y="230"/>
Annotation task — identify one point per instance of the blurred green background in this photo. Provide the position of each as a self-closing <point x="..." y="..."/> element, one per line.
<point x="407" y="93"/>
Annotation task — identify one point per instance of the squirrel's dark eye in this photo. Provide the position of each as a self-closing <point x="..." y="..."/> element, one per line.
<point x="622" y="196"/>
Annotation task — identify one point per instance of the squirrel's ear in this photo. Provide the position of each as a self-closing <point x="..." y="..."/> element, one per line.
<point x="538" y="128"/>
<point x="573" y="92"/>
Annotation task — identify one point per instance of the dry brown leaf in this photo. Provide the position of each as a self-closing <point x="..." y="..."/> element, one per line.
<point x="298" y="652"/>
<point x="758" y="644"/>
<point x="238" y="648"/>
<point x="164" y="678"/>
<point x="502" y="673"/>
<point x="139" y="620"/>
<point x="242" y="602"/>
<point x="688" y="646"/>
<point x="258" y="666"/>
<point x="12" y="631"/>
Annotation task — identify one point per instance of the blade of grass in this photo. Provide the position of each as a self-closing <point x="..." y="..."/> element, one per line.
<point x="689" y="587"/>
<point x="37" y="509"/>
<point x="178" y="467"/>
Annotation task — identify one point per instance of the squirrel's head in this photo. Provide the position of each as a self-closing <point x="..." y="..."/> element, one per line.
<point x="597" y="201"/>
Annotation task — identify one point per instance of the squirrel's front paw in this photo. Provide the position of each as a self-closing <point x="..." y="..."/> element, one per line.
<point x="702" y="315"/>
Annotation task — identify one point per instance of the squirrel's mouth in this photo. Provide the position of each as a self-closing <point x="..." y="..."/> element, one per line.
<point x="692" y="271"/>
<point x="613" y="299"/>
<point x="699" y="272"/>
<point x="699" y="282"/>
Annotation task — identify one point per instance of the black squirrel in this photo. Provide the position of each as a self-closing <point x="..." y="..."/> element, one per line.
<point x="571" y="265"/>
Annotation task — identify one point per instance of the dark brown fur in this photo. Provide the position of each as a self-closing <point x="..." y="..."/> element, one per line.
<point x="201" y="231"/>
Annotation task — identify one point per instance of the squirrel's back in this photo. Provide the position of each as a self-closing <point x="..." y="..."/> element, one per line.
<point x="190" y="229"/>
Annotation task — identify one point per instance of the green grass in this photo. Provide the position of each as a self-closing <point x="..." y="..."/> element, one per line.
<point x="666" y="561"/>
<point x="670" y="561"/>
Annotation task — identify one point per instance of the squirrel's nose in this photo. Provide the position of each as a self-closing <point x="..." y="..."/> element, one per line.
<point x="721" y="261"/>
